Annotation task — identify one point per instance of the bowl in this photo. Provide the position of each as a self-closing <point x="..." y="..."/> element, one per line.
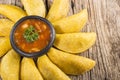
<point x="14" y="37"/>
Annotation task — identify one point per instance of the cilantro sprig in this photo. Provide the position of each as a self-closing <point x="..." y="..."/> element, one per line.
<point x="30" y="34"/>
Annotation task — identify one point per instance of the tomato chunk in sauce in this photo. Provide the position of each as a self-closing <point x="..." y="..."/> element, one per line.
<point x="41" y="41"/>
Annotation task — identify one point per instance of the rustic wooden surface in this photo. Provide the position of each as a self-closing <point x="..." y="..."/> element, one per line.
<point x="104" y="19"/>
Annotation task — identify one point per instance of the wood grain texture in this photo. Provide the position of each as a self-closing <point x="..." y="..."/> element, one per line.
<point x="104" y="19"/>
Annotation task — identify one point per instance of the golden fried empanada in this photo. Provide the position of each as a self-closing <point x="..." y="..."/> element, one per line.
<point x="74" y="42"/>
<point x="4" y="45"/>
<point x="49" y="70"/>
<point x="29" y="70"/>
<point x="72" y="23"/>
<point x="69" y="63"/>
<point x="5" y="27"/>
<point x="34" y="7"/>
<point x="58" y="10"/>
<point x="12" y="12"/>
<point x="10" y="64"/>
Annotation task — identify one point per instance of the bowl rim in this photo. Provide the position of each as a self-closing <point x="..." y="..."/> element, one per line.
<point x="34" y="54"/>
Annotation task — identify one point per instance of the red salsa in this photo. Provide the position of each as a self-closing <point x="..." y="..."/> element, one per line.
<point x="32" y="35"/>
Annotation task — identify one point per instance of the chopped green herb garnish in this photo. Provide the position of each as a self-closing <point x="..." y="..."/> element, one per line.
<point x="30" y="34"/>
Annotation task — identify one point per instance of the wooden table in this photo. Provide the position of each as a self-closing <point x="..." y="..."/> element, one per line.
<point x="104" y="19"/>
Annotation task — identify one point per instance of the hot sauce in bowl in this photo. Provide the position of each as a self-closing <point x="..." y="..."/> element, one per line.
<point x="32" y="36"/>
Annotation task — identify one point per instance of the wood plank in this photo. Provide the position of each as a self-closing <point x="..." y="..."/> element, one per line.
<point x="104" y="19"/>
